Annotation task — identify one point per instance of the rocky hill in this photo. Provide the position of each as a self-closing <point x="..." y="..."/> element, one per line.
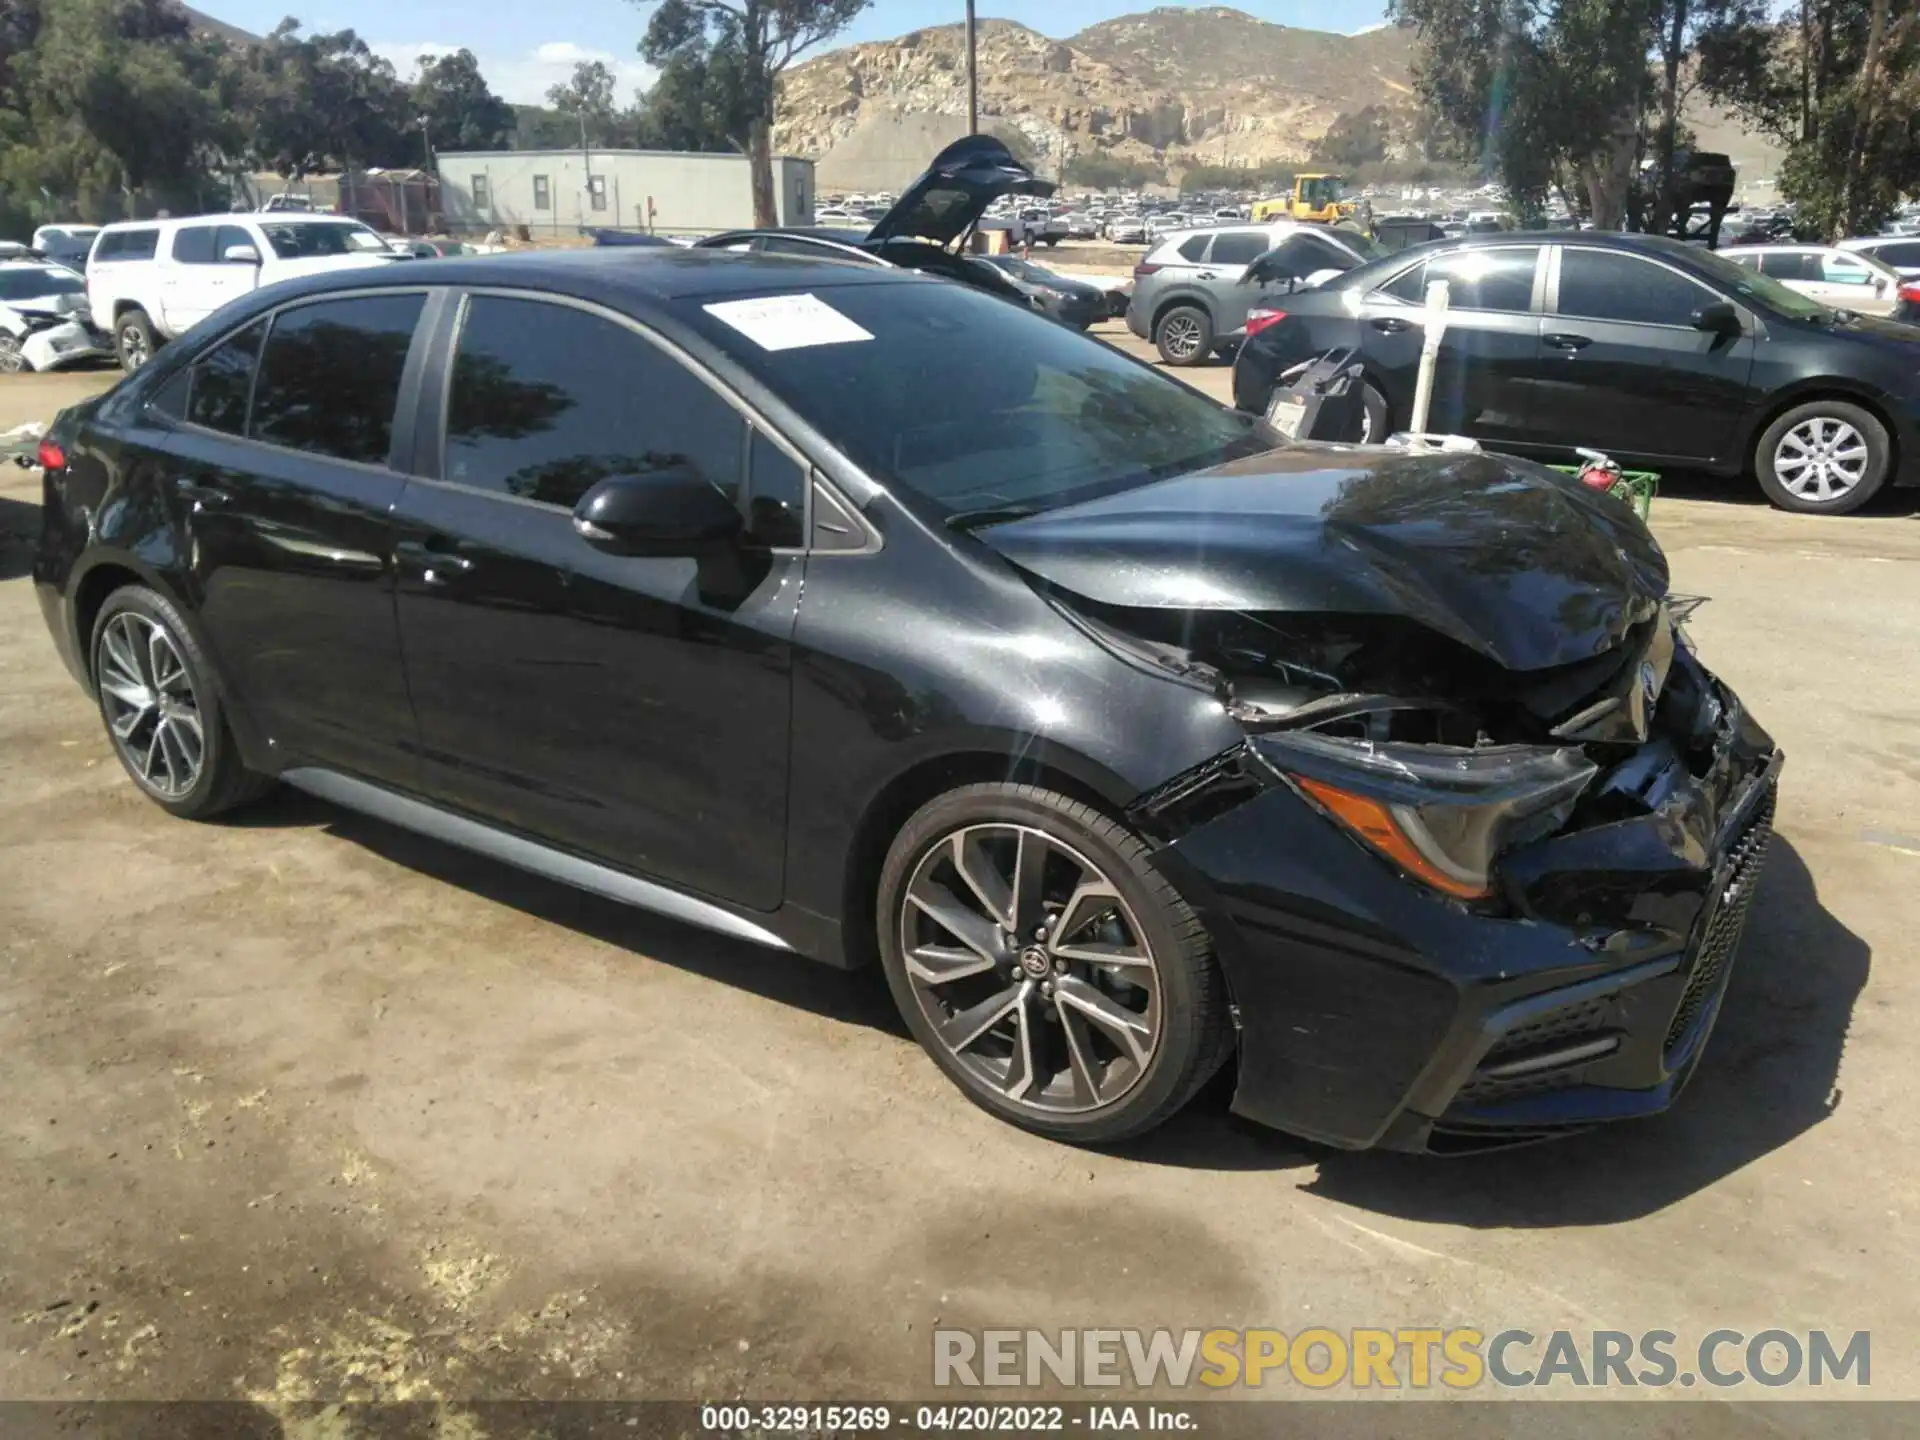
<point x="1174" y="87"/>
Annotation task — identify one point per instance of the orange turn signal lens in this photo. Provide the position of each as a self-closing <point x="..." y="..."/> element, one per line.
<point x="1375" y="824"/>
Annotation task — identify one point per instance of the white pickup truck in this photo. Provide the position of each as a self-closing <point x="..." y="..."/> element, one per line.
<point x="149" y="280"/>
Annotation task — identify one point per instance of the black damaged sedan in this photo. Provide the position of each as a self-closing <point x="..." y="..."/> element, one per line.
<point x="863" y="616"/>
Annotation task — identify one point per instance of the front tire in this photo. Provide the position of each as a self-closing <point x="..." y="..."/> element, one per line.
<point x="13" y="360"/>
<point x="1048" y="968"/>
<point x="161" y="708"/>
<point x="1378" y="422"/>
<point x="1184" y="335"/>
<point x="1823" y="458"/>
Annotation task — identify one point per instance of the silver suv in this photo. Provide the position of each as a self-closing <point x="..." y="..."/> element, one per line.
<point x="1191" y="294"/>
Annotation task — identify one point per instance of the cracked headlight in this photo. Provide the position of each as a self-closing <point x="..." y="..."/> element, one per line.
<point x="1440" y="813"/>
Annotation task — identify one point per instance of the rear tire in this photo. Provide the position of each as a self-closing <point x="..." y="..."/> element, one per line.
<point x="13" y="360"/>
<point x="162" y="710"/>
<point x="133" y="340"/>
<point x="1089" y="1051"/>
<point x="1825" y="457"/>
<point x="1184" y="335"/>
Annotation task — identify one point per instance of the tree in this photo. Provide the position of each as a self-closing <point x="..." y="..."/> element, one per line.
<point x="313" y="101"/>
<point x="1538" y="89"/>
<point x="587" y="101"/>
<point x="1837" y="82"/>
<point x="1353" y="140"/>
<point x="754" y="41"/>
<point x="1102" y="171"/>
<point x="460" y="111"/>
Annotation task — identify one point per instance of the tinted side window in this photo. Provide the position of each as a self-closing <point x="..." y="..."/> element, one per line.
<point x="548" y="400"/>
<point x="1791" y="265"/>
<point x="1598" y="285"/>
<point x="193" y="245"/>
<point x="222" y="380"/>
<point x="1194" y="248"/>
<point x="777" y="494"/>
<point x="129" y="245"/>
<point x="1842" y="269"/>
<point x="228" y="236"/>
<point x="1906" y="253"/>
<point x="331" y="376"/>
<point x="1238" y="247"/>
<point x="1409" y="285"/>
<point x="1491" y="279"/>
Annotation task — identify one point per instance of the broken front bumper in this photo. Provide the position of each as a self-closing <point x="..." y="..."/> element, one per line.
<point x="1374" y="1011"/>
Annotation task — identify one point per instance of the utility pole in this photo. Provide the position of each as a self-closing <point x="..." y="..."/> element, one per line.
<point x="973" y="77"/>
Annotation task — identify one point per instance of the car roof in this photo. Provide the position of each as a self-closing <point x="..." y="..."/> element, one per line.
<point x="612" y="275"/>
<point x="275" y="217"/>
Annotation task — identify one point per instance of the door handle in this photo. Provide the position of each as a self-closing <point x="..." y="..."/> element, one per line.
<point x="1560" y="340"/>
<point x="1389" y="325"/>
<point x="201" y="493"/>
<point x="437" y="565"/>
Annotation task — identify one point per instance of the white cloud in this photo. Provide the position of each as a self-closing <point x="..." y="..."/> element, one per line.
<point x="524" y="79"/>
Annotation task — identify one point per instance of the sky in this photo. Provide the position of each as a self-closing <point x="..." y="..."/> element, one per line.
<point x="523" y="48"/>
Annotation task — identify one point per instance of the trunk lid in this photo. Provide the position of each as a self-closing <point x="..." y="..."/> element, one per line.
<point x="945" y="202"/>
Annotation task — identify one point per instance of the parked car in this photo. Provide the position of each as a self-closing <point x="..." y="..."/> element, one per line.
<point x="151" y="280"/>
<point x="1127" y="230"/>
<point x="1188" y="299"/>
<point x="1071" y="302"/>
<point x="65" y="244"/>
<point x="925" y="227"/>
<point x="44" y="323"/>
<point x="1657" y="352"/>
<point x="1901" y="252"/>
<point x="1042" y="227"/>
<point x="1081" y="225"/>
<point x="1132" y="741"/>
<point x="1835" y="277"/>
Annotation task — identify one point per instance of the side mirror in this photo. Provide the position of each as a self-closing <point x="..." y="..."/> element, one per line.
<point x="1719" y="318"/>
<point x="674" y="510"/>
<point x="240" y="255"/>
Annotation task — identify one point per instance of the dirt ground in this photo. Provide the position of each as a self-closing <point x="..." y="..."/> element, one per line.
<point x="300" y="1106"/>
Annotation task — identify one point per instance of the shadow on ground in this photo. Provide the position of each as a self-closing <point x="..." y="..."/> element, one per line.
<point x="19" y="530"/>
<point x="1768" y="1076"/>
<point x="857" y="997"/>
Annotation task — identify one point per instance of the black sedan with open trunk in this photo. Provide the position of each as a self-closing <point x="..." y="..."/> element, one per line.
<point x="866" y="617"/>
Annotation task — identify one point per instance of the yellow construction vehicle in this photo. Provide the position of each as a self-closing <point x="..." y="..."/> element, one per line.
<point x="1315" y="197"/>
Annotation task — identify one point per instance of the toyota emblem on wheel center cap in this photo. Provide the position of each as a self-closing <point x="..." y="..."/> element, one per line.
<point x="1034" y="961"/>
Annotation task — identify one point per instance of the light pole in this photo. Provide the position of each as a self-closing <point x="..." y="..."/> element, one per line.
<point x="973" y="77"/>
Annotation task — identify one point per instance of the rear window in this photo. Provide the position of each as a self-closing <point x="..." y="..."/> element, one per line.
<point x="1195" y="247"/>
<point x="974" y="404"/>
<point x="126" y="245"/>
<point x="32" y="283"/>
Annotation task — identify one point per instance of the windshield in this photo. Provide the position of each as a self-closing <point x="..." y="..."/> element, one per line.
<point x="978" y="405"/>
<point x="298" y="240"/>
<point x="1764" y="290"/>
<point x="1321" y="191"/>
<point x="36" y="284"/>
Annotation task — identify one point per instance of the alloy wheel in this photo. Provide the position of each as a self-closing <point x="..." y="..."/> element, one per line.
<point x="151" y="709"/>
<point x="1821" y="458"/>
<point x="12" y="359"/>
<point x="1030" y="968"/>
<point x="1180" y="334"/>
<point x="134" y="349"/>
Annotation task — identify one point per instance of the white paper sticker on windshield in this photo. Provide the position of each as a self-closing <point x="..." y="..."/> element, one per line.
<point x="787" y="322"/>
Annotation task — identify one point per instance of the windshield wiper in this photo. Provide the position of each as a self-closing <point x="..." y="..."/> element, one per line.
<point x="990" y="515"/>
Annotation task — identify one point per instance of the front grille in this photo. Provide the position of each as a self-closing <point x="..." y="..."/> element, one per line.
<point x="1549" y="1031"/>
<point x="1721" y="935"/>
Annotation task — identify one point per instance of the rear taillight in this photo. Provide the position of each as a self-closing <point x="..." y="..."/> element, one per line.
<point x="1911" y="291"/>
<point x="51" y="456"/>
<point x="1140" y="272"/>
<point x="1260" y="319"/>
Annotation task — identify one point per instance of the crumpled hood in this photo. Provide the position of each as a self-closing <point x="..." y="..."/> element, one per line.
<point x="1515" y="561"/>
